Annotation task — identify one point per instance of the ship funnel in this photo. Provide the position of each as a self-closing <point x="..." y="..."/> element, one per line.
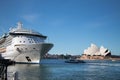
<point x="19" y="25"/>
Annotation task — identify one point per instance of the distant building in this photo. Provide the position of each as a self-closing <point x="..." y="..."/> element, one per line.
<point x="60" y="56"/>
<point x="93" y="50"/>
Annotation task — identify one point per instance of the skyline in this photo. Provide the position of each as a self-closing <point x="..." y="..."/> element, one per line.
<point x="71" y="25"/>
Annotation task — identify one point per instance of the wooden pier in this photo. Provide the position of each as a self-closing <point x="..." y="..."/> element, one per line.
<point x="4" y="63"/>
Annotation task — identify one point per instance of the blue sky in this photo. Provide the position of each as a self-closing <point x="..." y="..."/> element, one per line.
<point x="72" y="25"/>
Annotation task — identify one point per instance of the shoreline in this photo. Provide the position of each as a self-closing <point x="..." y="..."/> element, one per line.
<point x="100" y="59"/>
<point x="86" y="57"/>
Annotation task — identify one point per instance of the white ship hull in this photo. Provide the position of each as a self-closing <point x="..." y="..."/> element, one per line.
<point x="23" y="45"/>
<point x="27" y="53"/>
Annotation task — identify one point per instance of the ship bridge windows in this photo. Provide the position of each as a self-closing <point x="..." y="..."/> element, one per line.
<point x="33" y="40"/>
<point x="23" y="39"/>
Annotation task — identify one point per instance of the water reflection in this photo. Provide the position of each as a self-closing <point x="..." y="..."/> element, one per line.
<point x="30" y="71"/>
<point x="58" y="70"/>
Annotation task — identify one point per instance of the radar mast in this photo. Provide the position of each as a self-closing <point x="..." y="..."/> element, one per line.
<point x="19" y="25"/>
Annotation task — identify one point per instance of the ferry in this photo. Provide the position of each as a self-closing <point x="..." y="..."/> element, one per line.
<point x="23" y="45"/>
<point x="74" y="61"/>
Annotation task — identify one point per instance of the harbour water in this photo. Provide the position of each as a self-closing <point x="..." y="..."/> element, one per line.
<point x="53" y="69"/>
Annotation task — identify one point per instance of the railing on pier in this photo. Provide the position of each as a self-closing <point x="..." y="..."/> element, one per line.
<point x="4" y="63"/>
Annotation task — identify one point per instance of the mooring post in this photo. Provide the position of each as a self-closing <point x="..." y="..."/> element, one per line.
<point x="6" y="72"/>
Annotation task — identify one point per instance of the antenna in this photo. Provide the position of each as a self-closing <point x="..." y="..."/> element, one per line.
<point x="19" y="25"/>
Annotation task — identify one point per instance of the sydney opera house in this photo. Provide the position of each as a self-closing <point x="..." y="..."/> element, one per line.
<point x="94" y="52"/>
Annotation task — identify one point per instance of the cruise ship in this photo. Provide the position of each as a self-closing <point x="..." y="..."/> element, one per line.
<point x="23" y="45"/>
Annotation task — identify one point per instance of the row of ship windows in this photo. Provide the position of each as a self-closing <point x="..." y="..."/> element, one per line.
<point x="32" y="41"/>
<point x="29" y="42"/>
<point x="25" y="36"/>
<point x="29" y="38"/>
<point x="24" y="49"/>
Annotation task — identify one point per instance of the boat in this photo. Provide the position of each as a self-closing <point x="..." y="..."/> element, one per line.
<point x="23" y="45"/>
<point x="74" y="61"/>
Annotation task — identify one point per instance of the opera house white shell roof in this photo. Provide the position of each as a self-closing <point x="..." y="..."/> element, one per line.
<point x="93" y="50"/>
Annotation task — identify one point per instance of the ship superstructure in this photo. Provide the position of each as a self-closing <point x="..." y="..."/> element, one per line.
<point x="23" y="45"/>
